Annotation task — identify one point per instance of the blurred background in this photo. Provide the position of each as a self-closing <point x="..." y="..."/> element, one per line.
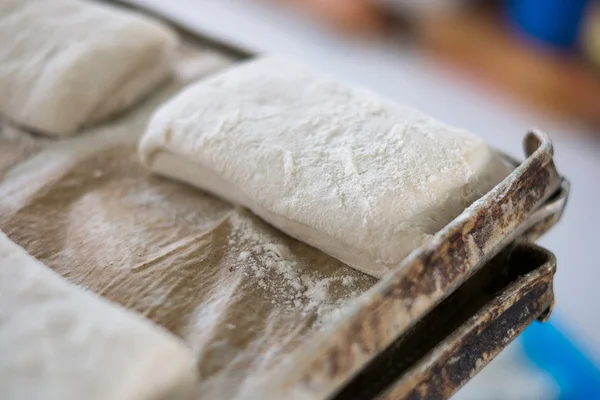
<point x="497" y="68"/>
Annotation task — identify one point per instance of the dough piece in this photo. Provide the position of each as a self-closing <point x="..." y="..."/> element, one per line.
<point x="60" y="342"/>
<point x="357" y="176"/>
<point x="66" y="64"/>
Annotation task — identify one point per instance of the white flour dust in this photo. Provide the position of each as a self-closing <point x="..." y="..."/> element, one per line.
<point x="274" y="269"/>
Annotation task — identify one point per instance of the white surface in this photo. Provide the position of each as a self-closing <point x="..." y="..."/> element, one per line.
<point x="401" y="74"/>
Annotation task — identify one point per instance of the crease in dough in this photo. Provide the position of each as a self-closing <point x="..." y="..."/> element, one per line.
<point x="362" y="178"/>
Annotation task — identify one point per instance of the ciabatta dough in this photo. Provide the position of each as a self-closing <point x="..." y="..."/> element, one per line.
<point x="357" y="176"/>
<point x="59" y="342"/>
<point x="66" y="64"/>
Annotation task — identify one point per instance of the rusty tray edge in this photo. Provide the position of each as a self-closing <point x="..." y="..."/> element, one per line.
<point x="449" y="366"/>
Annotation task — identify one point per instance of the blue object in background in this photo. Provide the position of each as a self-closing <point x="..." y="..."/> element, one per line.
<point x="554" y="22"/>
<point x="551" y="350"/>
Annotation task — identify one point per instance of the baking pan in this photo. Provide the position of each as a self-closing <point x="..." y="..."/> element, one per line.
<point x="428" y="326"/>
<point x="461" y="335"/>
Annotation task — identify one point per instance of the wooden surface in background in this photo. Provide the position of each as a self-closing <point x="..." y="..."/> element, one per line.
<point x="482" y="45"/>
<point x="479" y="44"/>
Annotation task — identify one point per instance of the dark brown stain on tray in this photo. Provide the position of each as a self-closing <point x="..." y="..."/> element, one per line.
<point x="505" y="297"/>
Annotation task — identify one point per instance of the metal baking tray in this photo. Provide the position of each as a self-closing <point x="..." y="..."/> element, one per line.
<point x="427" y="327"/>
<point x="467" y="330"/>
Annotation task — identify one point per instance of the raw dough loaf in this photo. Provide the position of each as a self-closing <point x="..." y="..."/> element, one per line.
<point x="357" y="176"/>
<point x="66" y="64"/>
<point x="60" y="342"/>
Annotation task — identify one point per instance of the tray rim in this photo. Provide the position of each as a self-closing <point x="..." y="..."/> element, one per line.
<point x="524" y="300"/>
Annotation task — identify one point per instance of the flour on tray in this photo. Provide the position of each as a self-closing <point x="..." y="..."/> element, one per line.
<point x="273" y="268"/>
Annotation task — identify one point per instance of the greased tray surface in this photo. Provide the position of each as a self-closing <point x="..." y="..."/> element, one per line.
<point x="221" y="279"/>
